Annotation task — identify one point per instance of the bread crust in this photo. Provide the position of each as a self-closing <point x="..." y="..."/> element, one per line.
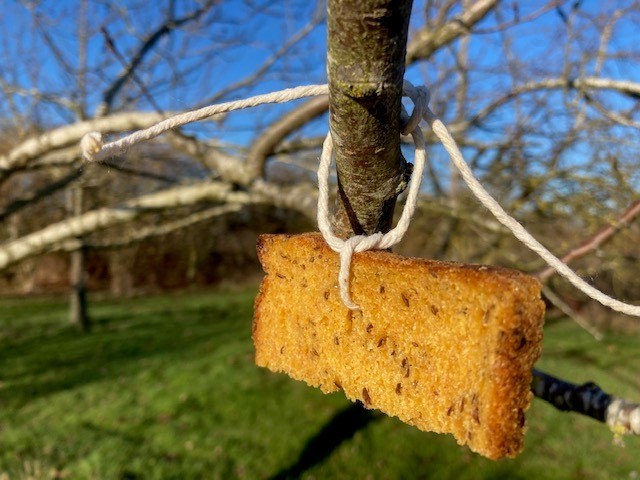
<point x="446" y="347"/>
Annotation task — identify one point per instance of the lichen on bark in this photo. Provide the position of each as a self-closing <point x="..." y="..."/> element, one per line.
<point x="366" y="57"/>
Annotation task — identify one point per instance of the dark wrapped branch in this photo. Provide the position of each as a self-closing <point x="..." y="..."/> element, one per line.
<point x="622" y="416"/>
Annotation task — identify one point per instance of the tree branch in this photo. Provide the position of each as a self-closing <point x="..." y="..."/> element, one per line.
<point x="140" y="235"/>
<point x="631" y="89"/>
<point x="145" y="47"/>
<point x="41" y="241"/>
<point x="423" y="45"/>
<point x="267" y="142"/>
<point x="426" y="41"/>
<point x="19" y="156"/>
<point x="592" y="243"/>
<point x="20" y="203"/>
<point x="366" y="59"/>
<point x="300" y="198"/>
<point x="317" y="18"/>
<point x="560" y="304"/>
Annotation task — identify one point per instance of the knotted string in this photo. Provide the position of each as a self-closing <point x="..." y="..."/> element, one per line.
<point x="360" y="243"/>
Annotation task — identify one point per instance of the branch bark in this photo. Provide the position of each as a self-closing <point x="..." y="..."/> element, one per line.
<point x="366" y="60"/>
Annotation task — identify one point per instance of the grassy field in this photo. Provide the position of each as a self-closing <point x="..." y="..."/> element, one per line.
<point x="165" y="387"/>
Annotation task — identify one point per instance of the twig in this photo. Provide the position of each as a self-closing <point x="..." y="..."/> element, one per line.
<point x="595" y="241"/>
<point x="570" y="312"/>
<point x="113" y="48"/>
<point x="22" y="202"/>
<point x="145" y="47"/>
<point x="318" y="17"/>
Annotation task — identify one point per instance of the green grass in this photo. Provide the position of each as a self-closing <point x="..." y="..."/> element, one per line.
<point x="165" y="387"/>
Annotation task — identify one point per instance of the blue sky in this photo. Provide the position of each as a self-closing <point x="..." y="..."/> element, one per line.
<point x="240" y="38"/>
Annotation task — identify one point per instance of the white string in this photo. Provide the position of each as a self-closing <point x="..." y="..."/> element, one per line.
<point x="93" y="148"/>
<point x="516" y="228"/>
<point x="360" y="243"/>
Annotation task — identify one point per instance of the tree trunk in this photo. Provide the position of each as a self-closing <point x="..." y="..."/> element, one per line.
<point x="78" y="314"/>
<point x="366" y="59"/>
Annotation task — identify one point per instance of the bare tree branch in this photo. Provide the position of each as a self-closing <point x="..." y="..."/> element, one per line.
<point x="40" y="96"/>
<point x="145" y="47"/>
<point x="16" y="205"/>
<point x="299" y="197"/>
<point x="267" y="142"/>
<point x="113" y="48"/>
<point x="560" y="304"/>
<point x="595" y="241"/>
<point x="148" y="232"/>
<point x="19" y="156"/>
<point x="269" y="62"/>
<point x="610" y="115"/>
<point x="229" y="168"/>
<point x="96" y="220"/>
<point x="423" y="44"/>
<point x="631" y="89"/>
<point x="518" y="20"/>
<point x="134" y="172"/>
<point x="428" y="40"/>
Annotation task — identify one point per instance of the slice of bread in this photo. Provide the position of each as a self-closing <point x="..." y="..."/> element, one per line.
<point x="446" y="347"/>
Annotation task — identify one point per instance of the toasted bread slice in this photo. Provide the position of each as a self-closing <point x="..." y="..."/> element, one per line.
<point x="446" y="347"/>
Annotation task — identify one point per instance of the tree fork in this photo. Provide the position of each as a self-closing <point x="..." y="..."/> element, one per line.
<point x="367" y="42"/>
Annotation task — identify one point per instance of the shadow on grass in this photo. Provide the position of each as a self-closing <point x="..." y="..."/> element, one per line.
<point x="122" y="340"/>
<point x="340" y="428"/>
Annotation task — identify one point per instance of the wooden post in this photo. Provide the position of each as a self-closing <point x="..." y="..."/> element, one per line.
<point x="366" y="59"/>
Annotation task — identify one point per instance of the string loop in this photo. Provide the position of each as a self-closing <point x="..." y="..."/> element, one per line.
<point x="360" y="243"/>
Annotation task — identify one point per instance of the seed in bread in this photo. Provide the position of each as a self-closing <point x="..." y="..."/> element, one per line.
<point x="446" y="347"/>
